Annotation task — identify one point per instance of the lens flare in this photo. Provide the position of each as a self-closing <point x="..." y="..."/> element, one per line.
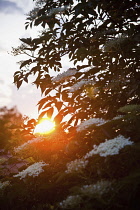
<point x="45" y="126"/>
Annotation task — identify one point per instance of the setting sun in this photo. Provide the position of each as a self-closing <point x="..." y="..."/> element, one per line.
<point x="45" y="126"/>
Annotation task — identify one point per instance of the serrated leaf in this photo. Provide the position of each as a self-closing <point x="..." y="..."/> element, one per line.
<point x="42" y="87"/>
<point x="47" y="105"/>
<point x="71" y="119"/>
<point x="35" y="69"/>
<point x="26" y="62"/>
<point x="26" y="26"/>
<point x="76" y="122"/>
<point x="18" y="83"/>
<point x="50" y="112"/>
<point x="75" y="62"/>
<point x="16" y="78"/>
<point x="58" y="118"/>
<point x="17" y="72"/>
<point x="26" y="78"/>
<point x="42" y="115"/>
<point x="58" y="105"/>
<point x="43" y="101"/>
<point x="27" y="41"/>
<point x="47" y="91"/>
<point x="32" y="121"/>
<point x="45" y="69"/>
<point x="64" y="95"/>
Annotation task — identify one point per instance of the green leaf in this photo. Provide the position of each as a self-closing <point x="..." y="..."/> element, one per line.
<point x="58" y="118"/>
<point x="42" y="115"/>
<point x="43" y="101"/>
<point x="47" y="91"/>
<point x="50" y="112"/>
<point x="24" y="63"/>
<point x="19" y="83"/>
<point x="27" y="41"/>
<point x="17" y="72"/>
<point x="58" y="105"/>
<point x="65" y="95"/>
<point x="26" y="77"/>
<point x="46" y="105"/>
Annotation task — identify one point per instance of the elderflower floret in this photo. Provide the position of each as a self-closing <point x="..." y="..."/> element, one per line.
<point x="65" y="75"/>
<point x="76" y="165"/>
<point x="99" y="188"/>
<point x="80" y="84"/>
<point x="93" y="121"/>
<point x="26" y="144"/>
<point x="4" y="184"/>
<point x="110" y="147"/>
<point x="70" y="202"/>
<point x="33" y="170"/>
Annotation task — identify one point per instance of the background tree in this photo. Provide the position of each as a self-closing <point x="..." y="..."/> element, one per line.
<point x="14" y="128"/>
<point x="10" y="119"/>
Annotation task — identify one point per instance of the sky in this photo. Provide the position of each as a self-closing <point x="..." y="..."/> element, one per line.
<point x="12" y="27"/>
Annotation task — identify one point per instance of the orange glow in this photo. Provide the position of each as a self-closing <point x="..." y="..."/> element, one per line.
<point x="45" y="126"/>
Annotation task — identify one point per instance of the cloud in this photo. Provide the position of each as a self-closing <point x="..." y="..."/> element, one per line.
<point x="2" y="48"/>
<point x="26" y="5"/>
<point x="1" y="82"/>
<point x="26" y="99"/>
<point x="5" y="93"/>
<point x="8" y="7"/>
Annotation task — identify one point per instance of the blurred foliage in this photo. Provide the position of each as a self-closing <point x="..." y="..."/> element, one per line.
<point x="14" y="128"/>
<point x="10" y="121"/>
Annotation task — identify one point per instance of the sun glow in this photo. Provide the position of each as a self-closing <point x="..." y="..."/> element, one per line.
<point x="45" y="126"/>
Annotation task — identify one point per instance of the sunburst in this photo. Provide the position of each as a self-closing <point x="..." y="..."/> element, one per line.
<point x="45" y="126"/>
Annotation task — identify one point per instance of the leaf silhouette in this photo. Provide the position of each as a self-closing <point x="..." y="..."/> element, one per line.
<point x="50" y="112"/>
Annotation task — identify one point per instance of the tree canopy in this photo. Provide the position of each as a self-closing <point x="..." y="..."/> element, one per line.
<point x="101" y="38"/>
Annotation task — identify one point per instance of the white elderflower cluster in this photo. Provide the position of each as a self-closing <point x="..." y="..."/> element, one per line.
<point x="80" y="84"/>
<point x="76" y="165"/>
<point x="26" y="144"/>
<point x="93" y="121"/>
<point x="109" y="147"/>
<point x="33" y="170"/>
<point x="57" y="10"/>
<point x="4" y="184"/>
<point x="66" y="74"/>
<point x="99" y="188"/>
<point x="71" y="202"/>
